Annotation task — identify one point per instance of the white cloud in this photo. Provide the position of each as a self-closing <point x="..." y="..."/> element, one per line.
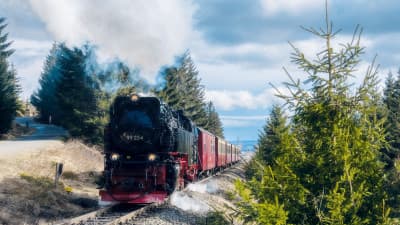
<point x="243" y="121"/>
<point x="247" y="55"/>
<point x="31" y="48"/>
<point x="28" y="60"/>
<point x="144" y="33"/>
<point x="29" y="74"/>
<point x="240" y="67"/>
<point x="237" y="123"/>
<point x="273" y="7"/>
<point x="250" y="118"/>
<point x="252" y="66"/>
<point x="228" y="100"/>
<point x="229" y="76"/>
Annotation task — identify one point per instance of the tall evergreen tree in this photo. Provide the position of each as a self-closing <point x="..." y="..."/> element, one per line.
<point x="391" y="151"/>
<point x="392" y="123"/>
<point x="9" y="88"/>
<point x="45" y="99"/>
<point x="214" y="124"/>
<point x="270" y="139"/>
<point x="271" y="136"/>
<point x="331" y="173"/>
<point x="183" y="91"/>
<point x="75" y="93"/>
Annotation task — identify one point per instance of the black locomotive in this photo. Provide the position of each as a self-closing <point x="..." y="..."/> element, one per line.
<point x="152" y="150"/>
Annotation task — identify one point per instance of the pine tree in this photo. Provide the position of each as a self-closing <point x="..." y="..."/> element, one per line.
<point x="214" y="124"/>
<point x="45" y="99"/>
<point x="183" y="90"/>
<point x="9" y="88"/>
<point x="391" y="151"/>
<point x="75" y="93"/>
<point x="392" y="124"/>
<point x="273" y="193"/>
<point x="331" y="172"/>
<point x="271" y="136"/>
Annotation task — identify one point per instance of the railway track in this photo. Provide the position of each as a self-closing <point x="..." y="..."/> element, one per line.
<point x="117" y="214"/>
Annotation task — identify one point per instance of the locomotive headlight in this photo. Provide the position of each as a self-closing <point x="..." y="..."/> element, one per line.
<point x="114" y="156"/>
<point x="134" y="97"/>
<point x="152" y="157"/>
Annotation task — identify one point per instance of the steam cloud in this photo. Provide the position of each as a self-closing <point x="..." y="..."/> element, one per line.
<point x="209" y="187"/>
<point x="187" y="203"/>
<point x="146" y="34"/>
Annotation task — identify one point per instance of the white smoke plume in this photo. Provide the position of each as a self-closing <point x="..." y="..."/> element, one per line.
<point x="209" y="187"/>
<point x="185" y="202"/>
<point x="146" y="34"/>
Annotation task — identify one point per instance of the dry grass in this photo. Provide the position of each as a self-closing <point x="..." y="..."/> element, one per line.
<point x="76" y="157"/>
<point x="27" y="191"/>
<point x="30" y="199"/>
<point x="69" y="175"/>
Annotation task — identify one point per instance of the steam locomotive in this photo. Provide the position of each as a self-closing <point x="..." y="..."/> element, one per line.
<point x="151" y="151"/>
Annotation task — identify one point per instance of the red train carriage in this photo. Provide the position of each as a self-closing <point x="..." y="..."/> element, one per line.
<point x="232" y="153"/>
<point x="235" y="154"/>
<point x="226" y="154"/>
<point x="229" y="154"/>
<point x="221" y="152"/>
<point x="206" y="146"/>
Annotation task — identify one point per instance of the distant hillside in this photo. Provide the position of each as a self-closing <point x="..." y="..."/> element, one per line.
<point x="247" y="145"/>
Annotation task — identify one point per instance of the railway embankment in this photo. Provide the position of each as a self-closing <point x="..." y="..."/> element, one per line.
<point x="206" y="202"/>
<point x="28" y="196"/>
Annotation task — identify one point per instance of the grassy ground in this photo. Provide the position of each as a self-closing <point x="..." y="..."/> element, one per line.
<point x="27" y="190"/>
<point x="29" y="199"/>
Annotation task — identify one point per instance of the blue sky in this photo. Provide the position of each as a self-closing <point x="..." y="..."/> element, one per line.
<point x="239" y="46"/>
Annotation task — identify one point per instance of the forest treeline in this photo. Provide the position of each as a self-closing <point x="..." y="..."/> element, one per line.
<point x="75" y="91"/>
<point x="9" y="88"/>
<point x="335" y="158"/>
